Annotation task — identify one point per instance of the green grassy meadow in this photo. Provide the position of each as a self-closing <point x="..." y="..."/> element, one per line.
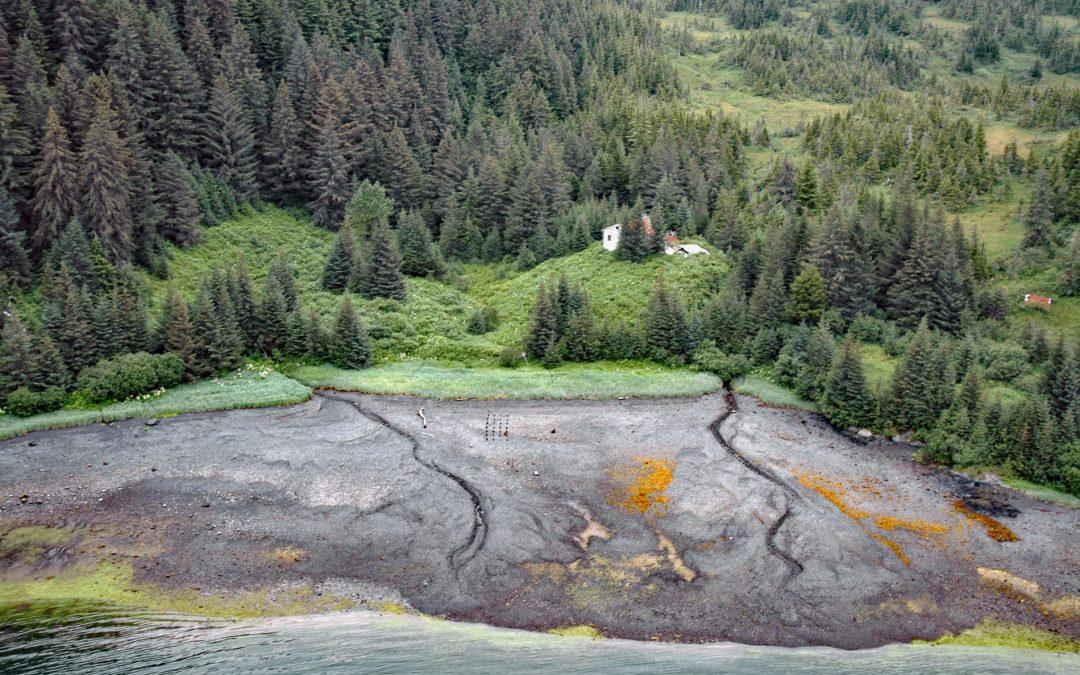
<point x="251" y="387"/>
<point x="571" y="381"/>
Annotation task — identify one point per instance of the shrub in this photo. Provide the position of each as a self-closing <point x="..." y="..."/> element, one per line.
<point x="130" y="375"/>
<point x="510" y="357"/>
<point x="726" y="366"/>
<point x="24" y="402"/>
<point x="482" y="321"/>
<point x="1004" y="361"/>
<point x="865" y="328"/>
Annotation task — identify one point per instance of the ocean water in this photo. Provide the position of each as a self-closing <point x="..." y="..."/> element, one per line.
<point x="99" y="641"/>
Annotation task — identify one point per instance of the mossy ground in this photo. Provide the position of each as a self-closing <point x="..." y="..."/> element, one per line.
<point x="109" y="583"/>
<point x="577" y="632"/>
<point x="990" y="633"/>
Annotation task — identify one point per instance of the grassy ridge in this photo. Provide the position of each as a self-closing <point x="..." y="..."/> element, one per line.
<point x="252" y="388"/>
<point x="576" y="381"/>
<point x="618" y="290"/>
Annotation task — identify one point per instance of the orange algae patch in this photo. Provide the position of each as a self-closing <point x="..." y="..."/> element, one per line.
<point x="994" y="529"/>
<point x="641" y="488"/>
<point x="893" y="546"/>
<point x="832" y="490"/>
<point x="916" y="525"/>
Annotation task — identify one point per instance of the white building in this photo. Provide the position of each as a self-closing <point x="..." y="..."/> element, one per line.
<point x="611" y="236"/>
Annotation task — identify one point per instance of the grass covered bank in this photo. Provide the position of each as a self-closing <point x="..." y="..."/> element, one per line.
<point x="248" y="388"/>
<point x="574" y="381"/>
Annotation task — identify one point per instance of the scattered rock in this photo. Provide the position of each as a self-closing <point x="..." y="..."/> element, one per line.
<point x="865" y="434"/>
<point x="32" y="444"/>
<point x="152" y="422"/>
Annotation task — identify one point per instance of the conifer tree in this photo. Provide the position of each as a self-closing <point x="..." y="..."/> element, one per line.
<point x="400" y="173"/>
<point x="1061" y="383"/>
<point x="807" y="299"/>
<point x="104" y="186"/>
<point x="634" y="244"/>
<point x="54" y="182"/>
<point x="228" y="142"/>
<point x="917" y="388"/>
<point x="543" y="328"/>
<point x="579" y="334"/>
<point x="174" y="192"/>
<point x="665" y="322"/>
<point x="48" y="368"/>
<point x="14" y="261"/>
<point x="381" y="274"/>
<point x="417" y="250"/>
<point x="285" y="277"/>
<point x="349" y="345"/>
<point x="282" y="165"/>
<point x="73" y="331"/>
<point x="175" y="332"/>
<point x="845" y="398"/>
<point x="14" y="144"/>
<point x="806" y="188"/>
<point x="328" y="176"/>
<point x="273" y="318"/>
<point x="1038" y="218"/>
<point x="170" y="93"/>
<point x="16" y="355"/>
<point x="340" y="263"/>
<point x="242" y="297"/>
<point x="769" y="301"/>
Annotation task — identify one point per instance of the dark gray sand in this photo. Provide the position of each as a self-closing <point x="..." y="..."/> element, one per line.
<point x="681" y="519"/>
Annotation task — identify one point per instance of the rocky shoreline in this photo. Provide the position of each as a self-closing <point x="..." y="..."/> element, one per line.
<point x="697" y="520"/>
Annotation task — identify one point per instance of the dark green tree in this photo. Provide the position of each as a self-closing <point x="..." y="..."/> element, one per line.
<point x="666" y="331"/>
<point x="175" y="193"/>
<point x="54" y="181"/>
<point x="846" y="399"/>
<point x="340" y="262"/>
<point x="228" y="141"/>
<point x="381" y="273"/>
<point x="105" y="190"/>
<point x="543" y="329"/>
<point x="418" y="257"/>
<point x="349" y="345"/>
<point x="807" y="299"/>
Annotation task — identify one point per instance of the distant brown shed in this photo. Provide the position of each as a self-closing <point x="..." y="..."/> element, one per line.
<point x="1032" y="300"/>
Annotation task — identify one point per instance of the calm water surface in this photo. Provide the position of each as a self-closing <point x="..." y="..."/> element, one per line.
<point x="103" y="641"/>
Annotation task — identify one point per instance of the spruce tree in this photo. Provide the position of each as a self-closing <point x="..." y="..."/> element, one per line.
<point x="400" y="172"/>
<point x="845" y="398"/>
<point x="16" y="355"/>
<point x="175" y="193"/>
<point x="329" y="181"/>
<point x="242" y="297"/>
<point x="665" y="322"/>
<point x="417" y="251"/>
<point x="228" y="141"/>
<point x="806" y="188"/>
<point x="381" y="274"/>
<point x="917" y="387"/>
<point x="175" y="332"/>
<point x="543" y="328"/>
<point x="807" y="300"/>
<point x="285" y="276"/>
<point x="1038" y="218"/>
<point x="104" y="186"/>
<point x="349" y="346"/>
<point x="55" y="200"/>
<point x="579" y="335"/>
<point x="14" y="144"/>
<point x="14" y="260"/>
<point x="273" y="318"/>
<point x="48" y="367"/>
<point x="73" y="331"/>
<point x="282" y="165"/>
<point x="340" y="263"/>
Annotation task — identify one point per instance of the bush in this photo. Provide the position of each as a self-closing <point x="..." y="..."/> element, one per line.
<point x="510" y="357"/>
<point x="865" y="328"/>
<point x="726" y="366"/>
<point x="130" y="375"/>
<point x="23" y="402"/>
<point x="1003" y="361"/>
<point x="482" y="321"/>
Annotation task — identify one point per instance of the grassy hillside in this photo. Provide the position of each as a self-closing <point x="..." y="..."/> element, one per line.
<point x="618" y="290"/>
<point x="431" y="323"/>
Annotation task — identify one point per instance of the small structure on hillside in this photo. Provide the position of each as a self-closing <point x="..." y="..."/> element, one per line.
<point x="1032" y="300"/>
<point x="611" y="235"/>
<point x="687" y="250"/>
